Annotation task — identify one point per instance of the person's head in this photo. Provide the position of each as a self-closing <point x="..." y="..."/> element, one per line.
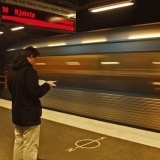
<point x="31" y="54"/>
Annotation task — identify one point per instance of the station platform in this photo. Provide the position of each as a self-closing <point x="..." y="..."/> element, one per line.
<point x="69" y="137"/>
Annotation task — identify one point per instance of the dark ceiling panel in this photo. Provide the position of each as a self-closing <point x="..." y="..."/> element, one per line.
<point x="74" y="1"/>
<point x="91" y="2"/>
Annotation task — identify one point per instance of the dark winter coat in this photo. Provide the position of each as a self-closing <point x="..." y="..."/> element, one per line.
<point x="25" y="93"/>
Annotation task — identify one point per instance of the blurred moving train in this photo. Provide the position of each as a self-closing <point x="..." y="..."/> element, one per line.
<point x="111" y="74"/>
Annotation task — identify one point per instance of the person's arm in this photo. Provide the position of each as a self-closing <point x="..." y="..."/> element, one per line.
<point x="50" y="84"/>
<point x="32" y="86"/>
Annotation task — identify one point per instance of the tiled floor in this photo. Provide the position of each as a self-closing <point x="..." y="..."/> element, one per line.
<point x="68" y="137"/>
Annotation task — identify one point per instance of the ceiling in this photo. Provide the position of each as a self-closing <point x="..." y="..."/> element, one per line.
<point x="85" y="21"/>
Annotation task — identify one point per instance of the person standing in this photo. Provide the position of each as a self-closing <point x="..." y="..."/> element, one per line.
<point x="26" y="106"/>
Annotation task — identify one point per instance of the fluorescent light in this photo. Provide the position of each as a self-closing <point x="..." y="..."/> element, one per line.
<point x="94" y="41"/>
<point x="156" y="62"/>
<point x="17" y="28"/>
<point x="12" y="49"/>
<point x="32" y="46"/>
<point x="1" y="32"/>
<point x="112" y="6"/>
<point x="152" y="35"/>
<point x="58" y="44"/>
<point x="110" y="63"/>
<point x="72" y="63"/>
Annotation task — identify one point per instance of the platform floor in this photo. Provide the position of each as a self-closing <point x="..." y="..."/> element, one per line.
<point x="68" y="137"/>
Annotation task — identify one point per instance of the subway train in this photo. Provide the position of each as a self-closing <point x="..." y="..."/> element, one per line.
<point x="112" y="75"/>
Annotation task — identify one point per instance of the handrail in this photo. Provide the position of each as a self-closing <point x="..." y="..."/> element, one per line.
<point x="5" y="80"/>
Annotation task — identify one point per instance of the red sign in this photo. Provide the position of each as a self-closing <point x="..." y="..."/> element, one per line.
<point x="17" y="14"/>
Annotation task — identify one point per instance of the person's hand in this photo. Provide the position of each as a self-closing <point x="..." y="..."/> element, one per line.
<point x="51" y="83"/>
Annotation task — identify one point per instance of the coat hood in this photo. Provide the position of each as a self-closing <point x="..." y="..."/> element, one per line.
<point x="20" y="61"/>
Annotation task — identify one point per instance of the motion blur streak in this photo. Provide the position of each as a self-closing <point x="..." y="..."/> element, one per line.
<point x="116" y="80"/>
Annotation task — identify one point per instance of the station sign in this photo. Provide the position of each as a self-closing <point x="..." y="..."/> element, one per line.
<point x="41" y="16"/>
